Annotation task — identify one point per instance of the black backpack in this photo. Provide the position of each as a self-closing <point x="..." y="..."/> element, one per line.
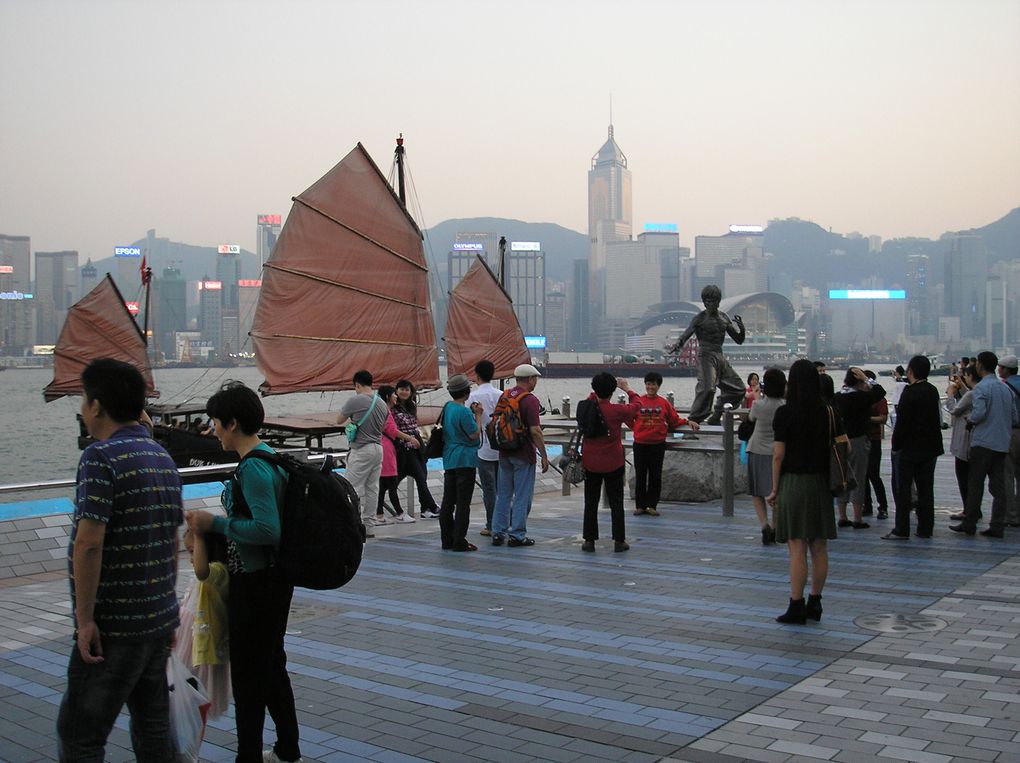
<point x="321" y="533"/>
<point x="590" y="420"/>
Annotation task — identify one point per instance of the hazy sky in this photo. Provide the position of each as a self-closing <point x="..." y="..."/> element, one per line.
<point x="895" y="117"/>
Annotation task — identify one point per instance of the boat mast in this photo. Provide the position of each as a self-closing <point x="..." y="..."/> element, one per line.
<point x="399" y="157"/>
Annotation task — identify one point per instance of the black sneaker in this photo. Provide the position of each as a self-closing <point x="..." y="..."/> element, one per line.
<point x="882" y="514"/>
<point x="514" y="543"/>
<point x="961" y="528"/>
<point x="497" y="540"/>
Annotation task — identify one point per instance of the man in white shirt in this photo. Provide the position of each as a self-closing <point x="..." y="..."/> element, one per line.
<point x="488" y="459"/>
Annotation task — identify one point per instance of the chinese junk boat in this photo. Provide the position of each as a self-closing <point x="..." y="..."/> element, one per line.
<point x="346" y="288"/>
<point x="99" y="325"/>
<point x="481" y="325"/>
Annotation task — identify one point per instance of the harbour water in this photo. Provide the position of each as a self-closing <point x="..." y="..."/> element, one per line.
<point x="38" y="440"/>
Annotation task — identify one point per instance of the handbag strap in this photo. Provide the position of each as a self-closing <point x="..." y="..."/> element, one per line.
<point x="375" y="399"/>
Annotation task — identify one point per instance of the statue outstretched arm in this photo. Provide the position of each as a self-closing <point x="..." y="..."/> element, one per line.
<point x="738" y="333"/>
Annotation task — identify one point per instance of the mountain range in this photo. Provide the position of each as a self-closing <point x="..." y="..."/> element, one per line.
<point x="797" y="249"/>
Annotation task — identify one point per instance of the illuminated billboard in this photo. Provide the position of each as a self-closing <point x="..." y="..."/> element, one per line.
<point x="6" y="269"/>
<point x="249" y="283"/>
<point x="14" y="295"/>
<point x="534" y="342"/>
<point x="269" y="219"/>
<point x="132" y="307"/>
<point x="230" y="249"/>
<point x="210" y="285"/>
<point x="867" y="294"/>
<point x="661" y="228"/>
<point x="469" y="247"/>
<point x="526" y="246"/>
<point x="127" y="251"/>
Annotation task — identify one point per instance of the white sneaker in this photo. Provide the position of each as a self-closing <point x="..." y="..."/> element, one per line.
<point x="269" y="756"/>
<point x="404" y="517"/>
<point x="430" y="515"/>
<point x="380" y="520"/>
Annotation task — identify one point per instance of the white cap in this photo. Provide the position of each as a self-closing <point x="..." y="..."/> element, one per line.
<point x="525" y="371"/>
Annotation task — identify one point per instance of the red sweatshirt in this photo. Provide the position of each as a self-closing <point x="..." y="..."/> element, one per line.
<point x="656" y="417"/>
<point x="605" y="454"/>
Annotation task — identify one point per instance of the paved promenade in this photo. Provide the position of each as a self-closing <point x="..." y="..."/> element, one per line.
<point x="666" y="652"/>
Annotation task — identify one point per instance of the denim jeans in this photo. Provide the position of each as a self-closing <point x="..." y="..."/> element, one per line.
<point x="413" y="467"/>
<point x="488" y="473"/>
<point x="514" y="491"/>
<point x="132" y="672"/>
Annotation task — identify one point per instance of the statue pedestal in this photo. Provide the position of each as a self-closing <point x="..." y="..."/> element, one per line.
<point x="693" y="473"/>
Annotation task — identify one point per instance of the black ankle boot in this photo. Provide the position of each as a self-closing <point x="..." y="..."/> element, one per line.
<point x="813" y="608"/>
<point x="794" y="614"/>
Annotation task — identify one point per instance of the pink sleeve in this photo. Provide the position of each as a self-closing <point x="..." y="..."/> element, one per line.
<point x="390" y="430"/>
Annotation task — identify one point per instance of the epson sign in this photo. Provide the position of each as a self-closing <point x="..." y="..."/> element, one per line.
<point x="127" y="251"/>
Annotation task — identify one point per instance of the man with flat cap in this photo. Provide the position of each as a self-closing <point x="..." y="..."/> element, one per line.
<point x="516" y="485"/>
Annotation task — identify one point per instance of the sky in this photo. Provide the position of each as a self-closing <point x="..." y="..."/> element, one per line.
<point x="889" y="117"/>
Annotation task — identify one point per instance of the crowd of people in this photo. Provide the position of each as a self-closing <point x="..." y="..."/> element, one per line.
<point x="124" y="541"/>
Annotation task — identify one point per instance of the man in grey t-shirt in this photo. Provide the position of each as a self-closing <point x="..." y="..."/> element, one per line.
<point x="364" y="462"/>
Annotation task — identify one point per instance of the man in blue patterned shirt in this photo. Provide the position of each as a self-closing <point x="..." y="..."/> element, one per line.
<point x="123" y="565"/>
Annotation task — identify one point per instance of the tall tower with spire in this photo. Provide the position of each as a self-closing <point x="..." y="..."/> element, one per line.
<point x="609" y="214"/>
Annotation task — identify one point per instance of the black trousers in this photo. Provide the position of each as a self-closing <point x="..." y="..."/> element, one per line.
<point x="920" y="472"/>
<point x="982" y="463"/>
<point x="388" y="488"/>
<point x="648" y="474"/>
<point x="875" y="478"/>
<point x="455" y="512"/>
<point x="258" y="607"/>
<point x="593" y="482"/>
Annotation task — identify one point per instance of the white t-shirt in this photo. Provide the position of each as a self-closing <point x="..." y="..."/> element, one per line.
<point x="897" y="390"/>
<point x="488" y="396"/>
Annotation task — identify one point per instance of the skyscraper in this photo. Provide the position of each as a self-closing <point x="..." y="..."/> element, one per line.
<point x="16" y="299"/>
<point x="210" y="313"/>
<point x="525" y="283"/>
<point x="89" y="277"/>
<point x="734" y="261"/>
<point x="228" y="273"/>
<point x="579" y="308"/>
<point x="609" y="216"/>
<point x="920" y="310"/>
<point x="170" y="295"/>
<point x="966" y="270"/>
<point x="267" y="231"/>
<point x="56" y="279"/>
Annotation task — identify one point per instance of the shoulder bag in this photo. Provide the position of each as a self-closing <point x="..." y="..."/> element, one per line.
<point x="841" y="478"/>
<point x="570" y="461"/>
<point x="434" y="448"/>
<point x="351" y="429"/>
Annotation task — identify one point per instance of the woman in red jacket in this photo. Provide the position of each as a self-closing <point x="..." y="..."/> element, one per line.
<point x="603" y="461"/>
<point x="656" y="418"/>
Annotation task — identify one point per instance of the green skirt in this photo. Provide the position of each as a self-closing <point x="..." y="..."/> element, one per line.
<point x="804" y="508"/>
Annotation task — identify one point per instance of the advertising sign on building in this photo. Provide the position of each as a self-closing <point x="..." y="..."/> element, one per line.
<point x="210" y="285"/>
<point x="132" y="307"/>
<point x="230" y="249"/>
<point x="270" y="219"/>
<point x="534" y="342"/>
<point x="6" y="269"/>
<point x="468" y="248"/>
<point x="127" y="251"/>
<point x="526" y="246"/>
<point x="250" y="283"/>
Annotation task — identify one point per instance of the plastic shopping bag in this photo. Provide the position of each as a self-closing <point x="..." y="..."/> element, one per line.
<point x="743" y="452"/>
<point x="189" y="706"/>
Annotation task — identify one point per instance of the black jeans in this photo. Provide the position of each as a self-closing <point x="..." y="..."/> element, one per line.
<point x="388" y="487"/>
<point x="593" y="493"/>
<point x="410" y="465"/>
<point x="648" y="474"/>
<point x="982" y="463"/>
<point x="920" y="472"/>
<point x="875" y="478"/>
<point x="458" y="488"/>
<point x="132" y="672"/>
<point x="258" y="607"/>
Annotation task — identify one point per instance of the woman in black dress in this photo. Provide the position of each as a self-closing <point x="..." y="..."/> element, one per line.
<point x="805" y="521"/>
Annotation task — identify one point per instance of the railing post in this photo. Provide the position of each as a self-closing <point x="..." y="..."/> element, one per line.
<point x="728" y="475"/>
<point x="670" y="397"/>
<point x="565" y="406"/>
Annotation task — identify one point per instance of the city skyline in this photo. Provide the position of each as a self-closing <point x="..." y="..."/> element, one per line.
<point x="892" y="119"/>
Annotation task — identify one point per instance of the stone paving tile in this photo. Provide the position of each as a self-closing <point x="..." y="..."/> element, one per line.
<point x="546" y="654"/>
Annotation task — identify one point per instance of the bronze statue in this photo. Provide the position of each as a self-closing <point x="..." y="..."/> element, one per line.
<point x="711" y="327"/>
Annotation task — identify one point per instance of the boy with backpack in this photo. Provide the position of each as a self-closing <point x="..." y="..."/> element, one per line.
<point x="515" y="430"/>
<point x="260" y="595"/>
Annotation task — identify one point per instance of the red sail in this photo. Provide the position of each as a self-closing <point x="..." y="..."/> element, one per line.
<point x="482" y="326"/>
<point x="97" y="326"/>
<point x="345" y="289"/>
